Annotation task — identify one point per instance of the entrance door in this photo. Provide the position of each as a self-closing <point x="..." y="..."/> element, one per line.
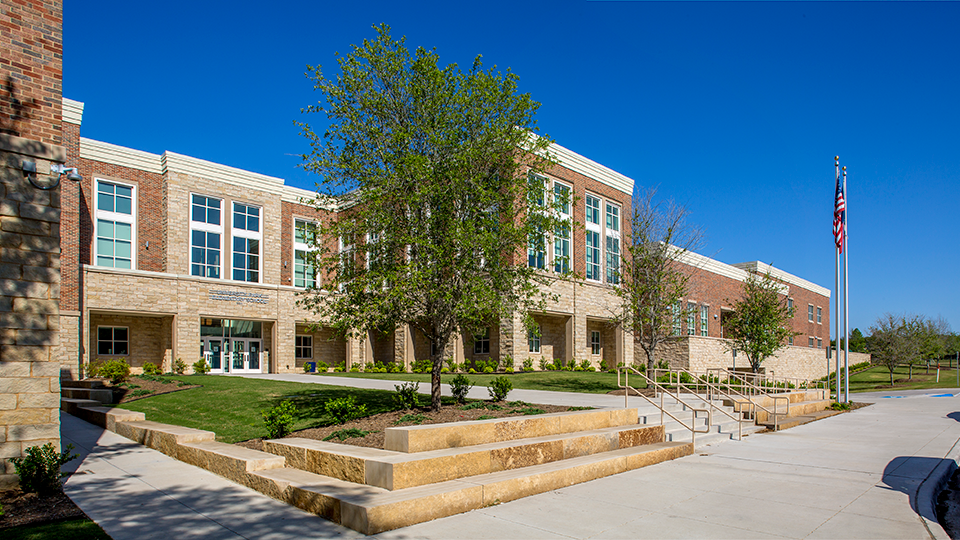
<point x="212" y="350"/>
<point x="244" y="355"/>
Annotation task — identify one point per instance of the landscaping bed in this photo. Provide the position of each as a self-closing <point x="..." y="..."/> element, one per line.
<point x="375" y="425"/>
<point x="137" y="387"/>
<point x="21" y="508"/>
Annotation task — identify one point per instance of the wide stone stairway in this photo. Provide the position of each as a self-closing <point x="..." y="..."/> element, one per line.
<point x="430" y="471"/>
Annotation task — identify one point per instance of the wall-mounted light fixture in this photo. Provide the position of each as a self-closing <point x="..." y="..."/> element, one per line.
<point x="71" y="172"/>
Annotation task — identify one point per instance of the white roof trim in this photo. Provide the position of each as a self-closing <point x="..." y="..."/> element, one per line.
<point x="72" y="111"/>
<point x="119" y="155"/>
<point x="591" y="169"/>
<point x="763" y="268"/>
<point x="180" y="164"/>
<point x="734" y="271"/>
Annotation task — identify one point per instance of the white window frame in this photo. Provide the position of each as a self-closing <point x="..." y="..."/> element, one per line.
<point x="305" y="248"/>
<point x="208" y="228"/>
<point x="678" y="318"/>
<point x="481" y="339"/>
<point x="533" y="340"/>
<point x="113" y="341"/>
<point x="346" y="253"/>
<point x="704" y="320"/>
<point x="559" y="241"/>
<point x="809" y="312"/>
<point x="612" y="275"/>
<point x="691" y="318"/>
<point x="819" y="343"/>
<point x="596" y="345"/>
<point x="596" y="231"/>
<point x="810" y="342"/>
<point x="299" y="347"/>
<point x="819" y="315"/>
<point x="539" y="252"/>
<point x="106" y="215"/>
<point x="249" y="235"/>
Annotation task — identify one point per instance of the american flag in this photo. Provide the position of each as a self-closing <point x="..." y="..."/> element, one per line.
<point x="838" y="210"/>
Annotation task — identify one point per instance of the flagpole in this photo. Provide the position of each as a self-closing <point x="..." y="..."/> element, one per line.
<point x="836" y="300"/>
<point x="846" y="293"/>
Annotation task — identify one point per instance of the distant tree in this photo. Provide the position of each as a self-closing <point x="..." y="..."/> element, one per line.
<point x="653" y="280"/>
<point x="759" y="325"/>
<point x="857" y="342"/>
<point x="437" y="163"/>
<point x="893" y="341"/>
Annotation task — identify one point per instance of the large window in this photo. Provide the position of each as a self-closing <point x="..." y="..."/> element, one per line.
<point x="819" y="315"/>
<point x="304" y="242"/>
<point x="810" y="312"/>
<point x="677" y="317"/>
<point x="481" y="342"/>
<point x="562" y="236"/>
<point x="116" y="225"/>
<point x="704" y="320"/>
<point x="593" y="231"/>
<point x="304" y="347"/>
<point x="113" y="340"/>
<point x="691" y="319"/>
<point x="206" y="236"/>
<point x="246" y="243"/>
<point x="613" y="243"/>
<point x="595" y="342"/>
<point x="537" y="243"/>
<point x="533" y="340"/>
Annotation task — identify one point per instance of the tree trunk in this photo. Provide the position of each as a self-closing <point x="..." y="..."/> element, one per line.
<point x="436" y="365"/>
<point x="891" y="377"/>
<point x="910" y="371"/>
<point x="650" y="360"/>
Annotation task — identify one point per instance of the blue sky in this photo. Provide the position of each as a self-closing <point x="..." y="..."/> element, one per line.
<point x="734" y="109"/>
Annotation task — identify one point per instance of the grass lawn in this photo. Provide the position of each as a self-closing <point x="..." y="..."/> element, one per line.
<point x="74" y="529"/>
<point x="878" y="378"/>
<point x="231" y="406"/>
<point x="560" y="381"/>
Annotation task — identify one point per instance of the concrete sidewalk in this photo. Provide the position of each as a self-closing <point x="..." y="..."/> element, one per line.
<point x="855" y="475"/>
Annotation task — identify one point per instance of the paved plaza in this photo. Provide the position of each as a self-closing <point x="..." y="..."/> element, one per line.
<point x="854" y="475"/>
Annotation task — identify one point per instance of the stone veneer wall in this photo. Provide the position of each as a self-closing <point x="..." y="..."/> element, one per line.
<point x="701" y="353"/>
<point x="29" y="305"/>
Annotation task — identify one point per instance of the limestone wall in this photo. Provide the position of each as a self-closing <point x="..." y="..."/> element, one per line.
<point x="698" y="354"/>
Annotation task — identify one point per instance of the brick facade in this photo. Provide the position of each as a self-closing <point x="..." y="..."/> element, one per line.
<point x="30" y="132"/>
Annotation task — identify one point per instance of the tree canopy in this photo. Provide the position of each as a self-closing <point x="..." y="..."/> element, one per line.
<point x="439" y="167"/>
<point x="653" y="280"/>
<point x="759" y="325"/>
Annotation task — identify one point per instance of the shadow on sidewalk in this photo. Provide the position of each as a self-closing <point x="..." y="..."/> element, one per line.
<point x="906" y="474"/>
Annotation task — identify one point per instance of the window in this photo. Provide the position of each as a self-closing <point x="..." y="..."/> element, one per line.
<point x="533" y="340"/>
<point x="116" y="225"/>
<point x="677" y="320"/>
<point x="810" y="342"/>
<point x="613" y="244"/>
<point x="790" y="304"/>
<point x="819" y="315"/>
<point x="246" y="243"/>
<point x="347" y="260"/>
<point x="592" y="208"/>
<point x="206" y="234"/>
<point x="481" y="342"/>
<point x="790" y="340"/>
<point x="594" y="342"/>
<point x="691" y="319"/>
<point x="810" y="313"/>
<point x="304" y="242"/>
<point x="593" y="256"/>
<point x="304" y="347"/>
<point x="704" y="320"/>
<point x="112" y="340"/>
<point x="561" y="237"/>
<point x="537" y="250"/>
<point x="819" y="343"/>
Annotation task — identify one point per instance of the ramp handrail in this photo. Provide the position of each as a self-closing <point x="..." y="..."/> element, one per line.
<point x="693" y="421"/>
<point x="756" y="391"/>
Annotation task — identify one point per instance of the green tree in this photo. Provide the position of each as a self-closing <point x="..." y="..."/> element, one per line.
<point x="894" y="340"/>
<point x="759" y="325"/>
<point x="441" y="168"/>
<point x="653" y="278"/>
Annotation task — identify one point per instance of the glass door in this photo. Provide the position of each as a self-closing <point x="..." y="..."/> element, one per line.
<point x="212" y="351"/>
<point x="238" y="355"/>
<point x="253" y="355"/>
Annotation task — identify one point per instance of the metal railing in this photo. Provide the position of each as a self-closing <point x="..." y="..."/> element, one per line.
<point x="753" y="393"/>
<point x="693" y="421"/>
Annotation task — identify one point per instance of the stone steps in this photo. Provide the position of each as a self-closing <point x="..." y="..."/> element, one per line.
<point x="101" y="395"/>
<point x="397" y="470"/>
<point x="88" y="383"/>
<point x="799" y="420"/>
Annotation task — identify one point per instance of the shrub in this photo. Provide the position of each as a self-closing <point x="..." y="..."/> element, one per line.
<point x="344" y="434"/>
<point x="39" y="470"/>
<point x="394" y="367"/>
<point x="444" y="369"/>
<point x="528" y="364"/>
<point x="472" y="371"/>
<point x="116" y="370"/>
<point x="150" y="368"/>
<point x="407" y="396"/>
<point x="507" y="362"/>
<point x="279" y="419"/>
<point x="307" y="367"/>
<point x="460" y="386"/>
<point x="585" y="364"/>
<point x="141" y="392"/>
<point x="179" y="367"/>
<point x="499" y="388"/>
<point x="578" y="368"/>
<point x="322" y="367"/>
<point x="422" y="366"/>
<point x="544" y="365"/>
<point x="557" y="364"/>
<point x="200" y="367"/>
<point x="344" y="409"/>
<point x="488" y="369"/>
<point x="355" y="369"/>
<point x="508" y="369"/>
<point x="532" y="410"/>
<point x="412" y="418"/>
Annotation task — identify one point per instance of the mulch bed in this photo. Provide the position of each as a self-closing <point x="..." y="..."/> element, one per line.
<point x="21" y="508"/>
<point x="378" y="423"/>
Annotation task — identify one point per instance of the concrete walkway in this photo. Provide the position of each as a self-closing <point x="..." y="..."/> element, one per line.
<point x="854" y="475"/>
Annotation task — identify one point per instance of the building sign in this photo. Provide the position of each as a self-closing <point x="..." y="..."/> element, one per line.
<point x="239" y="297"/>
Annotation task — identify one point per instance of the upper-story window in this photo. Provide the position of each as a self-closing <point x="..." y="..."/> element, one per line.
<point x="561" y="237"/>
<point x="677" y="317"/>
<point x="304" y="242"/>
<point x="691" y="319"/>
<point x="116" y="229"/>
<point x="810" y="312"/>
<point x="537" y="243"/>
<point x="704" y="320"/>
<point x="593" y="231"/>
<point x="819" y="315"/>
<point x="613" y="243"/>
<point x="246" y="243"/>
<point x="790" y="305"/>
<point x="206" y="236"/>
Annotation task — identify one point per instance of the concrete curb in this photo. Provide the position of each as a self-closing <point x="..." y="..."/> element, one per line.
<point x="930" y="488"/>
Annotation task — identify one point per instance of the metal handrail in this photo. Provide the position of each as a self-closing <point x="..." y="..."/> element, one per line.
<point x="695" y="393"/>
<point x="756" y="392"/>
<point x="693" y="421"/>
